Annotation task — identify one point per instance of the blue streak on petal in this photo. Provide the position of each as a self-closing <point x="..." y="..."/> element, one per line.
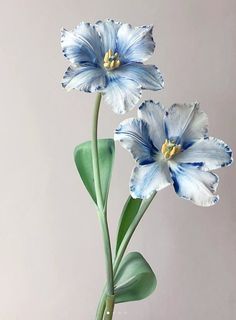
<point x="153" y="114"/>
<point x="134" y="136"/>
<point x="175" y="181"/>
<point x="211" y="152"/>
<point x="148" y="76"/>
<point x="149" y="178"/>
<point x="192" y="183"/>
<point x="82" y="45"/>
<point x="187" y="144"/>
<point x="166" y="128"/>
<point x="108" y="32"/>
<point x="88" y="79"/>
<point x="195" y="164"/>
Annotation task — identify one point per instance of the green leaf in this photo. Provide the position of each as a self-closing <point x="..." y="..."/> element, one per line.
<point x="129" y="212"/>
<point x="135" y="279"/>
<point x="83" y="161"/>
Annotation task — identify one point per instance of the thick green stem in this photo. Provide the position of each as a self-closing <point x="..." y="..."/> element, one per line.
<point x="101" y="205"/>
<point x="110" y="303"/>
<point x="143" y="208"/>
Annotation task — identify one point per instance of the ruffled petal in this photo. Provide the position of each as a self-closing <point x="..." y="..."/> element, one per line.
<point x="135" y="44"/>
<point x="209" y="153"/>
<point x="149" y="178"/>
<point x="153" y="113"/>
<point x="148" y="76"/>
<point x="108" y="32"/>
<point x="134" y="136"/>
<point x="88" y="79"/>
<point x="122" y="94"/>
<point x="82" y="45"/>
<point x="191" y="183"/>
<point x="185" y="124"/>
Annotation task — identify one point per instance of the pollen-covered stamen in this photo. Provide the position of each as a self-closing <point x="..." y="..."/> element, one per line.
<point x="170" y="149"/>
<point x="111" y="60"/>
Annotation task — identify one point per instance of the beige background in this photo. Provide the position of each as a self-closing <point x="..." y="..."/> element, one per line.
<point x="51" y="258"/>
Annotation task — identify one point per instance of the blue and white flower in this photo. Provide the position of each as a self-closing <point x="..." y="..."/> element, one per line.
<point x="108" y="57"/>
<point x="173" y="147"/>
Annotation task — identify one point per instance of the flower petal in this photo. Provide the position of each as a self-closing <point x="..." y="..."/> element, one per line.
<point x="82" y="45"/>
<point x="108" y="32"/>
<point x="153" y="113"/>
<point x="191" y="183"/>
<point x="210" y="153"/>
<point x="149" y="178"/>
<point x="122" y="94"/>
<point x="134" y="136"/>
<point x="135" y="44"/>
<point x="88" y="79"/>
<point x="185" y="124"/>
<point x="148" y="76"/>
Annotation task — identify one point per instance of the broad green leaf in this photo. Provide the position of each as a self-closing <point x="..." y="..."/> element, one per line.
<point x="129" y="212"/>
<point x="83" y="161"/>
<point x="134" y="280"/>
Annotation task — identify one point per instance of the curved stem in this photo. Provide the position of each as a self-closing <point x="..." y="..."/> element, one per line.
<point x="101" y="205"/>
<point x="95" y="160"/>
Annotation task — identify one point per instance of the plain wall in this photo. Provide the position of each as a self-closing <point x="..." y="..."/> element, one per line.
<point x="51" y="253"/>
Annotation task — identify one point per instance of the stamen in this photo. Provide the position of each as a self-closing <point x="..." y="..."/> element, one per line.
<point x="111" y="61"/>
<point x="170" y="149"/>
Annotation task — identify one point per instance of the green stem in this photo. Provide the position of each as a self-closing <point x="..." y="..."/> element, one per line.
<point x="124" y="244"/>
<point x="110" y="303"/>
<point x="94" y="146"/>
<point x="101" y="307"/>
<point x="101" y="205"/>
<point x="143" y="208"/>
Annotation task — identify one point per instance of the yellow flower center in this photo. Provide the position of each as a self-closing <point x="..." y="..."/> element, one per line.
<point x="170" y="149"/>
<point x="111" y="60"/>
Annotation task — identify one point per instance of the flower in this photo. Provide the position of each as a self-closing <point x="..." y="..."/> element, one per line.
<point x="108" y="57"/>
<point x="173" y="147"/>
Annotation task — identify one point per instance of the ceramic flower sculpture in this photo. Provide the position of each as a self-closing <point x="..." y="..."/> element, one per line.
<point x="170" y="146"/>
